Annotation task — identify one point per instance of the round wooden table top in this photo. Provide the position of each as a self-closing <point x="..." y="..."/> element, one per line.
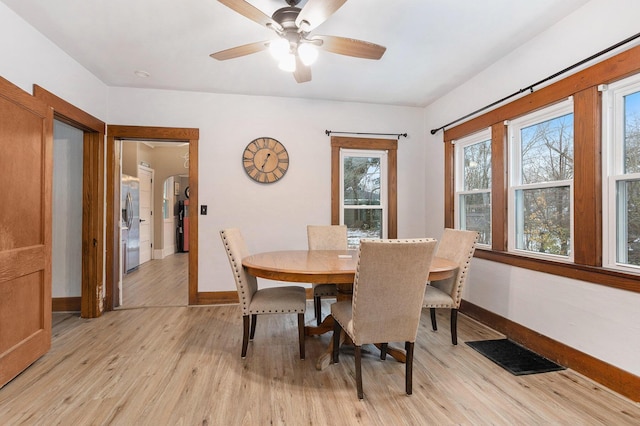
<point x="322" y="266"/>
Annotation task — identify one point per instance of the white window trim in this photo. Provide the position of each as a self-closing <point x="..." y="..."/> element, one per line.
<point x="459" y="146"/>
<point x="384" y="204"/>
<point x="613" y="165"/>
<point x="557" y="110"/>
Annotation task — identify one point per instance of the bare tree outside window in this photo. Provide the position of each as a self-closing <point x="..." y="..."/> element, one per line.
<point x="475" y="201"/>
<point x="362" y="178"/>
<point x="628" y="191"/>
<point x="543" y="218"/>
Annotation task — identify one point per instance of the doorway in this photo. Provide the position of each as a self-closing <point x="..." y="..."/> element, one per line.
<point x="154" y="268"/>
<point x="115" y="135"/>
<point x="93" y="131"/>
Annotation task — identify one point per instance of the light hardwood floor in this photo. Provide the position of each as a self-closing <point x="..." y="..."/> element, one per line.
<point x="162" y="282"/>
<point x="182" y="365"/>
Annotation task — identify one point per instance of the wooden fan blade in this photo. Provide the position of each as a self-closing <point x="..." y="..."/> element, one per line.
<point x="350" y="47"/>
<point x="315" y="12"/>
<point x="238" y="51"/>
<point x="302" y="74"/>
<point x="249" y="11"/>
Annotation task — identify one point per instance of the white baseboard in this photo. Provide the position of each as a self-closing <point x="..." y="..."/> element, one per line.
<point x="161" y="254"/>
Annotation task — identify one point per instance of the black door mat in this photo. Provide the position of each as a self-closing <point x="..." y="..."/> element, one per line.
<point x="514" y="358"/>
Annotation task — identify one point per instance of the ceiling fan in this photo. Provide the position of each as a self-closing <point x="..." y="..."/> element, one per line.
<point x="295" y="48"/>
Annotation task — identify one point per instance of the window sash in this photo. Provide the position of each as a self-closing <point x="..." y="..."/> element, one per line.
<point x="516" y="219"/>
<point x="517" y="231"/>
<point x="462" y="193"/>
<point x="353" y="234"/>
<point x="615" y="213"/>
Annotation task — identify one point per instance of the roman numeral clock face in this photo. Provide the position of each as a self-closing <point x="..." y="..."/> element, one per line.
<point x="265" y="160"/>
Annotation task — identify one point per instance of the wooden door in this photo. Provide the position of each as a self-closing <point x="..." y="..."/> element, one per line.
<point x="146" y="177"/>
<point x="26" y="173"/>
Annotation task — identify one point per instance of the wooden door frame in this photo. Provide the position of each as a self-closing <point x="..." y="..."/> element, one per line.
<point x="92" y="198"/>
<point x="116" y="133"/>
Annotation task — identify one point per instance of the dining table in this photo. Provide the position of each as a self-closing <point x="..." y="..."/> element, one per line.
<point x="327" y="267"/>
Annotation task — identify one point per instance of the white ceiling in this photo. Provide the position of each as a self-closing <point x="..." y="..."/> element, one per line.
<point x="432" y="45"/>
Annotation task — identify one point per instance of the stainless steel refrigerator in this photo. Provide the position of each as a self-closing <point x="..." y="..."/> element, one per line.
<point x="130" y="205"/>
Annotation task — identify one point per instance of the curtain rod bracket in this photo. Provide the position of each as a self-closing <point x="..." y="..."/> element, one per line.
<point x="398" y="135"/>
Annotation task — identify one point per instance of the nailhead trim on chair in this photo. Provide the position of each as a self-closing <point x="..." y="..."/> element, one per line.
<point x="243" y="299"/>
<point x="463" y="273"/>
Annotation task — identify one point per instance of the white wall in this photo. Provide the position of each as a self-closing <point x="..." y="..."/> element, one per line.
<point x="272" y="217"/>
<point x="594" y="319"/>
<point x="67" y="211"/>
<point x="28" y="58"/>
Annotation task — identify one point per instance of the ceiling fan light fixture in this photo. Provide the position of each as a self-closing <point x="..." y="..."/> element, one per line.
<point x="288" y="63"/>
<point x="279" y="48"/>
<point x="308" y="53"/>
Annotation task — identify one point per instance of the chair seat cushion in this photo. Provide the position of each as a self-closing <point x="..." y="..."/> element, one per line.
<point x="436" y="298"/>
<point x="276" y="300"/>
<point x="325" y="290"/>
<point x="343" y="313"/>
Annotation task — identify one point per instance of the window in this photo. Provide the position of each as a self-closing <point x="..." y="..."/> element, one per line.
<point x="541" y="184"/>
<point x="473" y="185"/>
<point x="596" y="191"/>
<point x="363" y="195"/>
<point x="363" y="187"/>
<point x="622" y="172"/>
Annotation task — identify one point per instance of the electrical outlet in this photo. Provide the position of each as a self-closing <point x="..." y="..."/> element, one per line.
<point x="203" y="209"/>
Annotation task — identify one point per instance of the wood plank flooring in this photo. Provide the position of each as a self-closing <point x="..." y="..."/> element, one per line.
<point x="158" y="282"/>
<point x="182" y="366"/>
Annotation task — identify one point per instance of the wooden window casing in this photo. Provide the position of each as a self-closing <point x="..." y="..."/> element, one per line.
<point x="583" y="86"/>
<point x="391" y="146"/>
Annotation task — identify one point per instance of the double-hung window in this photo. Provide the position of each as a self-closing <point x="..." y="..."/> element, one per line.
<point x="473" y="185"/>
<point x="622" y="174"/>
<point x="363" y="194"/>
<point x="541" y="182"/>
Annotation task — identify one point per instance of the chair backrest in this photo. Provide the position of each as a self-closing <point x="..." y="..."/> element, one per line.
<point x="389" y="288"/>
<point x="456" y="245"/>
<point x="327" y="237"/>
<point x="236" y="250"/>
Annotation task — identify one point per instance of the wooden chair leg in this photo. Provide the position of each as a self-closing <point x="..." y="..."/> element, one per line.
<point x="254" y="318"/>
<point x="383" y="351"/>
<point x="454" y="326"/>
<point x="317" y="309"/>
<point x="359" y="371"/>
<point x="301" y="334"/>
<point x="408" y="346"/>
<point x="434" y="324"/>
<point x="245" y="335"/>
<point x="337" y="330"/>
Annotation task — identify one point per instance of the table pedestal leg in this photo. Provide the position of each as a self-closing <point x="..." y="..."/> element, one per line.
<point x="398" y="354"/>
<point x="327" y="357"/>
<point x="325" y="326"/>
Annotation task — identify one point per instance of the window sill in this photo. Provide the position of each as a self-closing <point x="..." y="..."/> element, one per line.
<point x="592" y="274"/>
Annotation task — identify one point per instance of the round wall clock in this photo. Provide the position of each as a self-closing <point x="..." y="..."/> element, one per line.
<point x="265" y="160"/>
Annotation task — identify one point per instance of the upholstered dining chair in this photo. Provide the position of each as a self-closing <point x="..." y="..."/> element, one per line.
<point x="458" y="246"/>
<point x="325" y="237"/>
<point x="254" y="301"/>
<point x="387" y="299"/>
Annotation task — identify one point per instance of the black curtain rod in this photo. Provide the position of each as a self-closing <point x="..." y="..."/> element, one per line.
<point x="328" y="133"/>
<point x="577" y="64"/>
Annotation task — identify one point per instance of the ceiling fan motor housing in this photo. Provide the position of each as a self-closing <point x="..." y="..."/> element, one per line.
<point x="286" y="17"/>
